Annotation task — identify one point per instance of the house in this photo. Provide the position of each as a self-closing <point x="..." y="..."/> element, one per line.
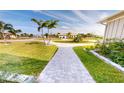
<point x="114" y="27"/>
<point x="66" y="36"/>
<point x="8" y="35"/>
<point x="62" y="36"/>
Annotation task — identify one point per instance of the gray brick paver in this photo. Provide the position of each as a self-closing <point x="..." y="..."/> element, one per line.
<point x="65" y="67"/>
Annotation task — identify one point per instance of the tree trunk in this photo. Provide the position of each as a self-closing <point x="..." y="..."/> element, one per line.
<point x="42" y="33"/>
<point x="48" y="33"/>
<point x="43" y="37"/>
<point x="4" y="37"/>
<point x="48" y="38"/>
<point x="16" y="36"/>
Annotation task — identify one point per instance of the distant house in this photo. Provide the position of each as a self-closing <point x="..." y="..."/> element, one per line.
<point x="65" y="36"/>
<point x="8" y="35"/>
<point x="114" y="27"/>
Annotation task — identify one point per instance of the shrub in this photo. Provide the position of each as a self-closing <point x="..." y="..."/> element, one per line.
<point x="117" y="57"/>
<point x="103" y="49"/>
<point x="77" y="38"/>
<point x="114" y="51"/>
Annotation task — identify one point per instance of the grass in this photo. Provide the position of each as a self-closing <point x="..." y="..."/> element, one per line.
<point x="100" y="71"/>
<point x="71" y="41"/>
<point x="28" y="58"/>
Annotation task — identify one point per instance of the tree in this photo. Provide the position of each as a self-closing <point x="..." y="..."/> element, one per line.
<point x="89" y="35"/>
<point x="4" y="27"/>
<point x="40" y="24"/>
<point x="50" y="24"/>
<point x="83" y="35"/>
<point x="46" y="34"/>
<point x="31" y="35"/>
<point x="77" y="38"/>
<point x="69" y="34"/>
<point x="0" y="35"/>
<point x="58" y="34"/>
<point x="14" y="31"/>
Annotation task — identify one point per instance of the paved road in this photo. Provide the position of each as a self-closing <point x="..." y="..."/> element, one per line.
<point x="20" y="40"/>
<point x="65" y="67"/>
<point x="70" y="44"/>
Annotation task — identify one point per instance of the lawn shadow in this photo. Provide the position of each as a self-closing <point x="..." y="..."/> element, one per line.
<point x="5" y="42"/>
<point x="33" y="42"/>
<point x="21" y="65"/>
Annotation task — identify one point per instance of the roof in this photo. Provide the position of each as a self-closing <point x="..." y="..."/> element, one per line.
<point x="8" y="33"/>
<point x="113" y="17"/>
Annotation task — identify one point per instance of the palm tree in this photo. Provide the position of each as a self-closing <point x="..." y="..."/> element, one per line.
<point x="14" y="31"/>
<point x="40" y="24"/>
<point x="50" y="24"/>
<point x="4" y="27"/>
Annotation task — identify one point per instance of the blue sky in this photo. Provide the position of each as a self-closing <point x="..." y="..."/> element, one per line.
<point x="75" y="21"/>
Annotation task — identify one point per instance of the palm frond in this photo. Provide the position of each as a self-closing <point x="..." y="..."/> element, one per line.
<point x="41" y="21"/>
<point x="8" y="26"/>
<point x="36" y="21"/>
<point x="39" y="29"/>
<point x="2" y="25"/>
<point x="18" y="30"/>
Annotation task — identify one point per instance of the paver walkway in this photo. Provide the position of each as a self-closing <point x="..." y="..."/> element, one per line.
<point x="65" y="67"/>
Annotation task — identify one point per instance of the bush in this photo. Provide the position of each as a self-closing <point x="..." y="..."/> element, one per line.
<point x="77" y="38"/>
<point x="103" y="49"/>
<point x="117" y="57"/>
<point x="114" y="51"/>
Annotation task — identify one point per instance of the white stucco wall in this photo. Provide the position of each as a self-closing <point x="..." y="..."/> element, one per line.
<point x="115" y="29"/>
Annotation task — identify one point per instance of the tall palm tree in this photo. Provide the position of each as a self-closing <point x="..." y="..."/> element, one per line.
<point x="51" y="24"/>
<point x="40" y="24"/>
<point x="4" y="27"/>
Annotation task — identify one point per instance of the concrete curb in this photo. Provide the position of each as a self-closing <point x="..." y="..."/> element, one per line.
<point x="106" y="60"/>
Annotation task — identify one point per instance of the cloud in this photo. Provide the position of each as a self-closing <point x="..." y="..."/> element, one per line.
<point x="46" y="13"/>
<point x="80" y="22"/>
<point x="103" y="15"/>
<point x="64" y="27"/>
<point x="83" y="16"/>
<point x="60" y="16"/>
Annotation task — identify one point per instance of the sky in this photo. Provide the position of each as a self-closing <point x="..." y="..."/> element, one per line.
<point x="75" y="21"/>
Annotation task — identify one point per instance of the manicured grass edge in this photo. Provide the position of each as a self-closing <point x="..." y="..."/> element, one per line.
<point x="99" y="70"/>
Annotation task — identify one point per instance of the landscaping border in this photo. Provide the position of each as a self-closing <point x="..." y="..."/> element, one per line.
<point x="108" y="61"/>
<point x="14" y="77"/>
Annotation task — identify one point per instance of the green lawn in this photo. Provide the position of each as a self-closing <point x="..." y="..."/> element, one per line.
<point x="71" y="41"/>
<point x="28" y="58"/>
<point x="100" y="71"/>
